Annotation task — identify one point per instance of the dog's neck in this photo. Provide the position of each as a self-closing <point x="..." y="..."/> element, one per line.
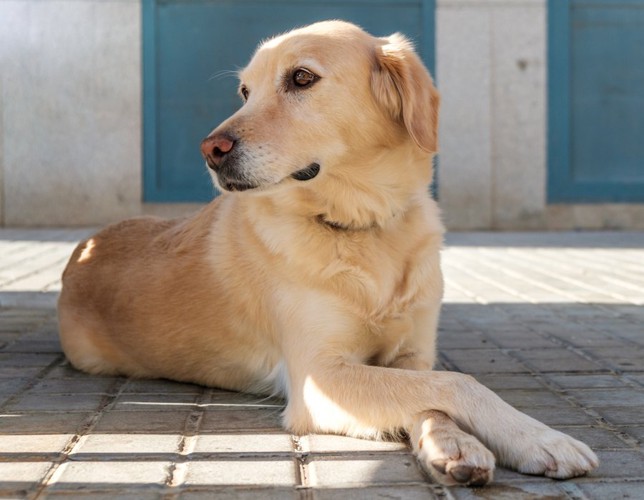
<point x="353" y="199"/>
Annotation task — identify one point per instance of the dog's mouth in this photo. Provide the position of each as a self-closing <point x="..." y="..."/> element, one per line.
<point x="307" y="173"/>
<point x="230" y="183"/>
<point x="235" y="184"/>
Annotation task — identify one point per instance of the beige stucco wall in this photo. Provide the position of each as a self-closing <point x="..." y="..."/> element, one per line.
<point x="70" y="116"/>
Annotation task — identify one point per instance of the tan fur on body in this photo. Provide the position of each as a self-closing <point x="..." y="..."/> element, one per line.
<point x="325" y="290"/>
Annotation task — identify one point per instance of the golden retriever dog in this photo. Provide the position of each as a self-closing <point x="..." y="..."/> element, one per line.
<point x="316" y="274"/>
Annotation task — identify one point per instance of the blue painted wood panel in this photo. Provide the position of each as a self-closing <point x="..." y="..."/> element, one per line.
<point x="191" y="49"/>
<point x="596" y="101"/>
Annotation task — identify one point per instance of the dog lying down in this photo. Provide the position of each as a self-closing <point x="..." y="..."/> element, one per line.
<point x="316" y="274"/>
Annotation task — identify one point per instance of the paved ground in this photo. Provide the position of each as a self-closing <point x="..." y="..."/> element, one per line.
<point x="553" y="322"/>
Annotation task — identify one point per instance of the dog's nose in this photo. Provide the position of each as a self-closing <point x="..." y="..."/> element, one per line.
<point x="215" y="147"/>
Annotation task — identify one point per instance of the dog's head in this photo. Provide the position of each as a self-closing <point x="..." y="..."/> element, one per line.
<point x="328" y="105"/>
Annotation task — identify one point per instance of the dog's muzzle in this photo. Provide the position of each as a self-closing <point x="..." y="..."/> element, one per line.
<point x="307" y="173"/>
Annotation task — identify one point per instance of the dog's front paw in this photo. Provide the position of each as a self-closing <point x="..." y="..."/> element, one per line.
<point x="451" y="456"/>
<point x="556" y="455"/>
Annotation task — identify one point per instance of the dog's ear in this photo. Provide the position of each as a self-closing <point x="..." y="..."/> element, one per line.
<point x="402" y="85"/>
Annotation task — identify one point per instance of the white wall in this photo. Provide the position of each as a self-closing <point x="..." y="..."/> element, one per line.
<point x="491" y="70"/>
<point x="70" y="100"/>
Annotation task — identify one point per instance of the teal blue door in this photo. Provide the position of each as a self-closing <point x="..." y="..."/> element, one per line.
<point x="191" y="49"/>
<point x="596" y="101"/>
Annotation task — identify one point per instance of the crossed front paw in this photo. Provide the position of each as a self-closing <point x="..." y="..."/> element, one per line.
<point x="454" y="457"/>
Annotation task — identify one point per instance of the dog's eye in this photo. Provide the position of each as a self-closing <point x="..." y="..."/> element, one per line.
<point x="303" y="78"/>
<point x="243" y="90"/>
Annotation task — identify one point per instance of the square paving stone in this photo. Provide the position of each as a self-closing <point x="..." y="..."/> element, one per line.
<point x="626" y="464"/>
<point x="604" y="397"/>
<point x="12" y="385"/>
<point x="400" y="492"/>
<point x="241" y="493"/>
<point x="27" y="345"/>
<point x="622" y="415"/>
<point x="636" y="431"/>
<point x="129" y="444"/>
<point x="88" y="385"/>
<point x="509" y="381"/>
<point x="514" y="491"/>
<point x="586" y="381"/>
<point x="161" y="387"/>
<point x="478" y="361"/>
<point x="7" y="338"/>
<point x="241" y="420"/>
<point x="36" y="444"/>
<point x="19" y="359"/>
<point x="242" y="472"/>
<point x="626" y="359"/>
<point x="59" y="402"/>
<point x="329" y="443"/>
<point x="528" y="340"/>
<point x="586" y="337"/>
<point x="42" y="422"/>
<point x="65" y="371"/>
<point x="556" y="360"/>
<point x="111" y="475"/>
<point x="228" y="400"/>
<point x="17" y="476"/>
<point x="147" y="402"/>
<point x="363" y="470"/>
<point x="604" y="491"/>
<point x="528" y="399"/>
<point x="256" y="442"/>
<point x="143" y="422"/>
<point x="503" y="475"/>
<point x="106" y="494"/>
<point x="20" y="371"/>
<point x="461" y="340"/>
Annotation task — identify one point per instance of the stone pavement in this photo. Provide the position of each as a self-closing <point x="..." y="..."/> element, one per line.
<point x="553" y="322"/>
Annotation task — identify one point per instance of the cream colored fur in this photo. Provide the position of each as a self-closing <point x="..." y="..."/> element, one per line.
<point x="325" y="290"/>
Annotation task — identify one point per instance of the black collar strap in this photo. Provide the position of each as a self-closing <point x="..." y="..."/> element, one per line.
<point x="337" y="226"/>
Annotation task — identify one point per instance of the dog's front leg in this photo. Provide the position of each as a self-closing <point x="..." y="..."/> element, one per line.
<point x="447" y="453"/>
<point x="336" y="396"/>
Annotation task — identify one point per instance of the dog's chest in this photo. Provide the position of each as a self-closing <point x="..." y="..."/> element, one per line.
<point x="384" y="283"/>
<point x="386" y="338"/>
<point x="381" y="283"/>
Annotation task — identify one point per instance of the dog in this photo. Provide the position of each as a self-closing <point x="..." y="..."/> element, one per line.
<point x="316" y="274"/>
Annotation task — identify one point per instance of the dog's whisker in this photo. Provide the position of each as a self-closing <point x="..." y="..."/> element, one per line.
<point x="226" y="73"/>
